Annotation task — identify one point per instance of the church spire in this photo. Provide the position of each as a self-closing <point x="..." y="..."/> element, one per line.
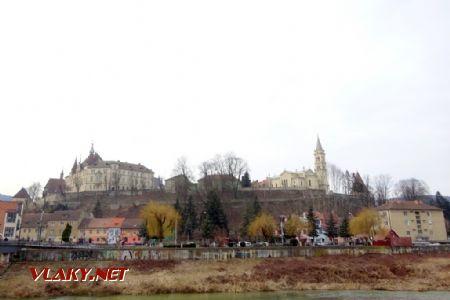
<point x="318" y="145"/>
<point x="92" y="149"/>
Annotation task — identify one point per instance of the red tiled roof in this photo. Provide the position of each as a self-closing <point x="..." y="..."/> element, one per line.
<point x="132" y="223"/>
<point x="102" y="223"/>
<point x="406" y="205"/>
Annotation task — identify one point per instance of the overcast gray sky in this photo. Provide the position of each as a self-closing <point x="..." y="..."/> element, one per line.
<point x="151" y="81"/>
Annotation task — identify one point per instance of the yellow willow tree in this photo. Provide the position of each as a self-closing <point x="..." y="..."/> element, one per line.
<point x="263" y="225"/>
<point x="295" y="225"/>
<point x="367" y="222"/>
<point x="160" y="219"/>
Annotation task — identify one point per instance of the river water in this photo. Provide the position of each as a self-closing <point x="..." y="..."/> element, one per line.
<point x="322" y="295"/>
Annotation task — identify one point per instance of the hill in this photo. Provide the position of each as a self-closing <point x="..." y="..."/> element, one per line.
<point x="5" y="197"/>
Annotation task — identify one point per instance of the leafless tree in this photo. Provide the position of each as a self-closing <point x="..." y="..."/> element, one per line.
<point x="348" y="183"/>
<point x="205" y="169"/>
<point x="235" y="168"/>
<point x="107" y="183"/>
<point x="182" y="168"/>
<point x="77" y="181"/>
<point x="34" y="191"/>
<point x="218" y="165"/>
<point x="411" y="189"/>
<point x="336" y="178"/>
<point x="183" y="180"/>
<point x="229" y="168"/>
<point x="383" y="186"/>
<point x="115" y="178"/>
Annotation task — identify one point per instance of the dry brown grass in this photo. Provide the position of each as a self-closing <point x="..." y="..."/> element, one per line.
<point x="382" y="272"/>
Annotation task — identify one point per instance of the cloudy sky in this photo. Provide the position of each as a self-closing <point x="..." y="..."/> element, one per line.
<point x="148" y="82"/>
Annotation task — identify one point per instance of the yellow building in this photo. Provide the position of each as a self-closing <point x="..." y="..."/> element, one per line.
<point x="33" y="226"/>
<point x="414" y="219"/>
<point x="307" y="179"/>
<point x="49" y="226"/>
<point x="57" y="222"/>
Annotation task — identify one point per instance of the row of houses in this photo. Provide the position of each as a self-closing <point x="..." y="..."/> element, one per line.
<point x="49" y="227"/>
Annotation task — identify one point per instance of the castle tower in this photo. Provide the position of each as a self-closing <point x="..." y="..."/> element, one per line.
<point x="321" y="166"/>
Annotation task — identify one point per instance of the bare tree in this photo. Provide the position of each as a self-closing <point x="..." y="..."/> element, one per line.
<point x="235" y="168"/>
<point x="34" y="191"/>
<point x="411" y="189"/>
<point x="115" y="178"/>
<point x="77" y="181"/>
<point x="183" y="179"/>
<point x="228" y="168"/>
<point x="348" y="183"/>
<point x="218" y="165"/>
<point x="182" y="168"/>
<point x="205" y="169"/>
<point x="383" y="186"/>
<point x="336" y="178"/>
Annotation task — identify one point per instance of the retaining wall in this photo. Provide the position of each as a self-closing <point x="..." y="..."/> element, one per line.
<point x="209" y="253"/>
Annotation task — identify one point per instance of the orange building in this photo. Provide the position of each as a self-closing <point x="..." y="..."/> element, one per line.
<point x="130" y="231"/>
<point x="10" y="212"/>
<point x="101" y="230"/>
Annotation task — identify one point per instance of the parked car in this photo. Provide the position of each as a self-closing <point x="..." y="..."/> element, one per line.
<point x="244" y="244"/>
<point x="261" y="244"/>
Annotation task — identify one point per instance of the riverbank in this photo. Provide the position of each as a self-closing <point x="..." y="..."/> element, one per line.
<point x="415" y="272"/>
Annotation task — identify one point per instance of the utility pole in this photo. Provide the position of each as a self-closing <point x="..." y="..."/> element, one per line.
<point x="176" y="230"/>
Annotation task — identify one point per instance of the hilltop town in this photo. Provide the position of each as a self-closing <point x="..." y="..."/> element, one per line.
<point x="103" y="202"/>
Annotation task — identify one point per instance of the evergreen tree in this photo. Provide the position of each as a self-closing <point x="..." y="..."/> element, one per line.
<point x="252" y="210"/>
<point x="207" y="228"/>
<point x="331" y="227"/>
<point x="246" y="182"/>
<point x="444" y="204"/>
<point x="344" y="230"/>
<point x="312" y="221"/>
<point x="189" y="218"/>
<point x="97" y="212"/>
<point x="66" y="233"/>
<point x="215" y="217"/>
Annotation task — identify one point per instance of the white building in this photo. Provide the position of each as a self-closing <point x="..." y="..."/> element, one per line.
<point x="96" y="174"/>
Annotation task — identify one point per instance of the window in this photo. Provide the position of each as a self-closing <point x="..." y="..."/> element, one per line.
<point x="428" y="214"/>
<point x="419" y="231"/>
<point x="9" y="231"/>
<point x="408" y="232"/>
<point x="430" y="222"/>
<point x="405" y="213"/>
<point x="11" y="217"/>
<point x="309" y="182"/>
